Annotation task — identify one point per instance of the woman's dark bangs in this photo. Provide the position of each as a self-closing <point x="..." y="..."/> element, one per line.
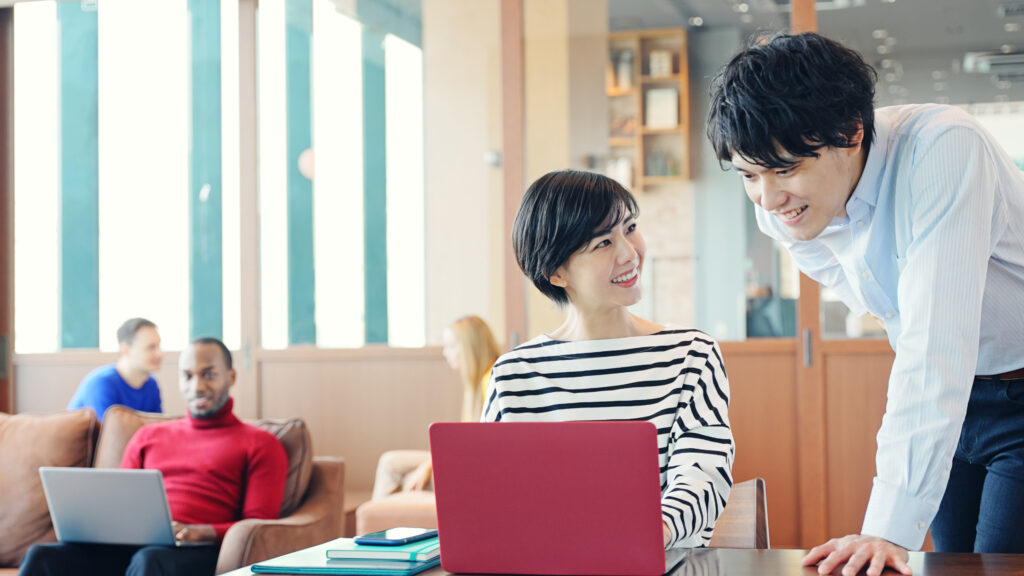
<point x="611" y="207"/>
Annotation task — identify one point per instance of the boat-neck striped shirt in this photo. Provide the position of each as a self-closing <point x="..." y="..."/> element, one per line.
<point x="674" y="379"/>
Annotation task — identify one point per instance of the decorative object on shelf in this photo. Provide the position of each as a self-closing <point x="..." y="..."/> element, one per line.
<point x="621" y="170"/>
<point x="662" y="107"/>
<point x="624" y="70"/>
<point x="660" y="63"/>
<point x="661" y="163"/>
<point x="622" y="126"/>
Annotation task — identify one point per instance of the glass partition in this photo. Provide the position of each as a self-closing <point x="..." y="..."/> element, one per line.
<point x="966" y="54"/>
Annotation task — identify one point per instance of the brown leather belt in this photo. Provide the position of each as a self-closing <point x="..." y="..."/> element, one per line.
<point x="1013" y="375"/>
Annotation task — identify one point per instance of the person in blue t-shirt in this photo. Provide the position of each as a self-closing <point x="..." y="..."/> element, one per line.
<point x="129" y="382"/>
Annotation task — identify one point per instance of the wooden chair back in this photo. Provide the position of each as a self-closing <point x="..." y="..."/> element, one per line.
<point x="744" y="522"/>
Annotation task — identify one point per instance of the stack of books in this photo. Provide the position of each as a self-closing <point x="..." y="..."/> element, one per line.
<point x="343" y="556"/>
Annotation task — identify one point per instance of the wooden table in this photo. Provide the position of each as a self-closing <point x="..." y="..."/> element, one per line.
<point x="727" y="562"/>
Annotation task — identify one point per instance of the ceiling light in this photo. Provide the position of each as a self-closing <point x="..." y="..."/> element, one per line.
<point x="883" y="49"/>
<point x="940" y="86"/>
<point x="743" y="7"/>
<point x="696" y="21"/>
<point x="879" y="34"/>
<point x="1012" y="26"/>
<point x="886" y="63"/>
<point x="890" y="41"/>
<point x="938" y="75"/>
<point x="1006" y="48"/>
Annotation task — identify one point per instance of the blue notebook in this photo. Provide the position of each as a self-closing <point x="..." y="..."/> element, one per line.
<point x="420" y="551"/>
<point x="315" y="561"/>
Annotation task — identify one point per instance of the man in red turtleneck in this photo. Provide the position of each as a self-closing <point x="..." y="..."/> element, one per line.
<point x="217" y="470"/>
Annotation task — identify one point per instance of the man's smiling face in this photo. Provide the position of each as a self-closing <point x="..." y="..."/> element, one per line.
<point x="806" y="194"/>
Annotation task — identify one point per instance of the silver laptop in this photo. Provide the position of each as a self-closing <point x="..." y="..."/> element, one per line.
<point x="109" y="506"/>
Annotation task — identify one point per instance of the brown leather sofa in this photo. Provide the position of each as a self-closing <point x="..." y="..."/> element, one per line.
<point x="311" y="512"/>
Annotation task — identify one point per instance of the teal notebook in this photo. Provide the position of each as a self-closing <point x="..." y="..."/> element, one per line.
<point x="315" y="561"/>
<point x="346" y="548"/>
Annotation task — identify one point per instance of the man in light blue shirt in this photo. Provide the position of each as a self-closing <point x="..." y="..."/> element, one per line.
<point x="916" y="215"/>
<point x="129" y="382"/>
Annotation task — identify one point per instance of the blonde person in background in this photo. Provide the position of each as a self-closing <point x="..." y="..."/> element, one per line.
<point x="470" y="349"/>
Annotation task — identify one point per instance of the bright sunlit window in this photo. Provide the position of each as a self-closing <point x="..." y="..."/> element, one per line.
<point x="144" y="86"/>
<point x="36" y="206"/>
<point x="336" y="62"/>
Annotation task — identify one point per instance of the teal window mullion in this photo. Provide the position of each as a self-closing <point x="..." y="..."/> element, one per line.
<point x="79" y="177"/>
<point x="205" y="181"/>
<point x="301" y="279"/>
<point x="375" y="188"/>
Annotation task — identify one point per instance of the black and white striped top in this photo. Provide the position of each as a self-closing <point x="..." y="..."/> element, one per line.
<point x="674" y="378"/>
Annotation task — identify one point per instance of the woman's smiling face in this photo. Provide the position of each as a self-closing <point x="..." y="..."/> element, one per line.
<point x="606" y="272"/>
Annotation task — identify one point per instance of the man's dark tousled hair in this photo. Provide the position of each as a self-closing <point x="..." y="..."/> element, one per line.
<point x="559" y="215"/>
<point x="786" y="96"/>
<point x="126" y="333"/>
<point x="223" y="349"/>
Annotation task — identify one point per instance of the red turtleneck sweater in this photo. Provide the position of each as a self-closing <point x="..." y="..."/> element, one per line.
<point x="216" y="470"/>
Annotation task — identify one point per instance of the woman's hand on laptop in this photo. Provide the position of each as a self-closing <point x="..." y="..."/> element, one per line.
<point x="667" y="534"/>
<point x="194" y="532"/>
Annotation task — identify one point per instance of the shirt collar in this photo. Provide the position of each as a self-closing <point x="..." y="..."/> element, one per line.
<point x="870" y="179"/>
<point x="223" y="417"/>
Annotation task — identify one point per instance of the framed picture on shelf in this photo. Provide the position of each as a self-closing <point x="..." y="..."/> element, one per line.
<point x="662" y="107"/>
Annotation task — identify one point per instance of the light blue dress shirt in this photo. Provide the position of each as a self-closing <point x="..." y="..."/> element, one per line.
<point x="933" y="245"/>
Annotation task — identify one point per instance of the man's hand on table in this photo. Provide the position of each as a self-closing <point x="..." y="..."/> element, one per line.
<point x="856" y="551"/>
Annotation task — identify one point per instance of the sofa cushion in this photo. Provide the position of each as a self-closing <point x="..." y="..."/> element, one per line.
<point x="28" y="441"/>
<point x="298" y="445"/>
<point x="120" y="424"/>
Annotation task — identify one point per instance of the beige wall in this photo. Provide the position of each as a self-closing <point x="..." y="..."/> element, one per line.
<point x="566" y="108"/>
<point x="465" y="240"/>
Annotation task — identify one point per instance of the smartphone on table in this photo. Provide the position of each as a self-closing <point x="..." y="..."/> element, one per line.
<point x="395" y="536"/>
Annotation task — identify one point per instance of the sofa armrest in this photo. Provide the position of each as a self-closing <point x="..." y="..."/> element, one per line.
<point x="317" y="520"/>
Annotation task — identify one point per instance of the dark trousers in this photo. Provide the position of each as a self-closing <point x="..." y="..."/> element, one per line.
<point x="102" y="560"/>
<point x="983" y="507"/>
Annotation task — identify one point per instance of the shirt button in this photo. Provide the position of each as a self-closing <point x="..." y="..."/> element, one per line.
<point x="921" y="525"/>
<point x="949" y="465"/>
<point x="889" y="314"/>
<point x="860" y="223"/>
<point x="865" y="275"/>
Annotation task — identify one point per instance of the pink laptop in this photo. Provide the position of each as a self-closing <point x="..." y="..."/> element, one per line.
<point x="549" y="498"/>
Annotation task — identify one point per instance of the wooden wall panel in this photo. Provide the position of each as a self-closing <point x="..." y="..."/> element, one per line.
<point x="763" y="415"/>
<point x="855" y="401"/>
<point x="360" y="407"/>
<point x="46" y="382"/>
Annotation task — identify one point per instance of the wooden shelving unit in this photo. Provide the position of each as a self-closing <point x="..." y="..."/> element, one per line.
<point x="660" y="154"/>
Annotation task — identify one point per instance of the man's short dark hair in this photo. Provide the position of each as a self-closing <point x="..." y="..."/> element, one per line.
<point x="560" y="214"/>
<point x="223" y="348"/>
<point x="787" y="96"/>
<point x="126" y="333"/>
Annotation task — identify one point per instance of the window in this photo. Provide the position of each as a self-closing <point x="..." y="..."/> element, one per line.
<point x="125" y="206"/>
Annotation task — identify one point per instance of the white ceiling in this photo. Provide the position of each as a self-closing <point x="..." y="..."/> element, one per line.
<point x="928" y="37"/>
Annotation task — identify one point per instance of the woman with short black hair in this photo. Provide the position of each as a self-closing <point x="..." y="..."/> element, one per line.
<point x="576" y="237"/>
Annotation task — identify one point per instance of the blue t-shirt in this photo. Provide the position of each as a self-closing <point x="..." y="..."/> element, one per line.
<point x="104" y="387"/>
